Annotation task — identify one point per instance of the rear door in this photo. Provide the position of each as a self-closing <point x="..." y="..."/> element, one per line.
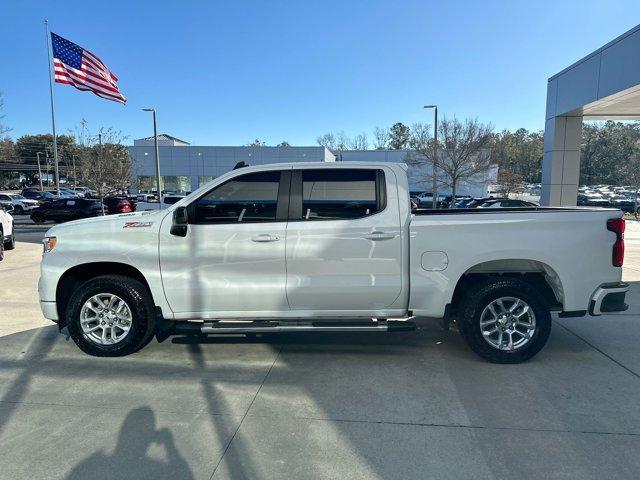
<point x="343" y="240"/>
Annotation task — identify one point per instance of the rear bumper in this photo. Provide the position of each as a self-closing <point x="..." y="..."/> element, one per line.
<point x="609" y="297"/>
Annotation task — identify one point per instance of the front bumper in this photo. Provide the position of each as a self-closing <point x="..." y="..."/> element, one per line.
<point x="609" y="297"/>
<point x="49" y="310"/>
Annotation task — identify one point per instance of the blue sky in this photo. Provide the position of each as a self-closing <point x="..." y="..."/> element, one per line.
<point x="224" y="73"/>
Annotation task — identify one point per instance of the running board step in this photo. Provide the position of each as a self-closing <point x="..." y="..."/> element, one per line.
<point x="272" y="327"/>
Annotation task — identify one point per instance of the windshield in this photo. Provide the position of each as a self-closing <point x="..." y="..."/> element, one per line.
<point x="48" y="195"/>
<point x="15" y="196"/>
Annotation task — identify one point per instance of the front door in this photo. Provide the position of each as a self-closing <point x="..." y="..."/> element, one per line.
<point x="343" y="241"/>
<point x="232" y="261"/>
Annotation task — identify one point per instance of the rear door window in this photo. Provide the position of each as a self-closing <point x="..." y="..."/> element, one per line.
<point x="341" y="194"/>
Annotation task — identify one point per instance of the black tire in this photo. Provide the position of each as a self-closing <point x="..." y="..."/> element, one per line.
<point x="37" y="218"/>
<point x="19" y="210"/>
<point x="10" y="241"/>
<point x="480" y="296"/>
<point x="1" y="245"/>
<point x="139" y="300"/>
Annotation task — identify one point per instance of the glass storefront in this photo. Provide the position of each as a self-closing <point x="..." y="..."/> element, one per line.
<point x="205" y="179"/>
<point x="176" y="184"/>
<point x="170" y="183"/>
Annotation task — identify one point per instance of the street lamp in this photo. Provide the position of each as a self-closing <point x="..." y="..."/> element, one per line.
<point x="75" y="179"/>
<point x="39" y="169"/>
<point x="434" y="188"/>
<point x="155" y="140"/>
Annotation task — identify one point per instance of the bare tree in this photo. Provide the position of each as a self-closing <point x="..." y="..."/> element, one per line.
<point x="3" y="128"/>
<point x="462" y="151"/>
<point x="257" y="143"/>
<point x="509" y="181"/>
<point x="328" y="141"/>
<point x="103" y="165"/>
<point x="335" y="143"/>
<point x="359" y="142"/>
<point x="380" y="138"/>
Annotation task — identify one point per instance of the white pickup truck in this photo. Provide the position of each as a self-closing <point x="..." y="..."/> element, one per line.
<point x="328" y="247"/>
<point x="7" y="234"/>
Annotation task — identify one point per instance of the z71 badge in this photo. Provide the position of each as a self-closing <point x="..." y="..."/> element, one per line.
<point x="137" y="224"/>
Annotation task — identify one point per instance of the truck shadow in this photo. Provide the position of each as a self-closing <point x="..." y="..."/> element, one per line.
<point x="374" y="389"/>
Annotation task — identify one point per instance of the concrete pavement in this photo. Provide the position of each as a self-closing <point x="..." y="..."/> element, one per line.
<point x="405" y="405"/>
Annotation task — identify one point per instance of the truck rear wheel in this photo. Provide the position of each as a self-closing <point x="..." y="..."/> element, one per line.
<point x="111" y="316"/>
<point x="504" y="320"/>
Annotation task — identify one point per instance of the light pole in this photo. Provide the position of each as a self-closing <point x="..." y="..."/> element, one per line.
<point x="75" y="179"/>
<point x="39" y="170"/>
<point x="434" y="187"/>
<point x="155" y="141"/>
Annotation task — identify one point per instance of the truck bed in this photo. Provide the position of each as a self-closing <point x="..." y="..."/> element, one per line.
<point x="567" y="244"/>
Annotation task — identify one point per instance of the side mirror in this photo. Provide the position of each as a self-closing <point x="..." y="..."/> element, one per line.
<point x="180" y="222"/>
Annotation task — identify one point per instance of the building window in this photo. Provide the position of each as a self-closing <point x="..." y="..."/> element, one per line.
<point x="176" y="184"/>
<point x="146" y="183"/>
<point x="205" y="179"/>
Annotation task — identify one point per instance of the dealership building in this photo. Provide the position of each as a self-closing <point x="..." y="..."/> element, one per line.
<point x="185" y="167"/>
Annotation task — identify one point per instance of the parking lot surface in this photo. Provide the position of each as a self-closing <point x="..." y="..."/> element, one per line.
<point x="403" y="405"/>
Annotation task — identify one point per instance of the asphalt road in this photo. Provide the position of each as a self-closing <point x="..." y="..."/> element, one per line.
<point x="27" y="231"/>
<point x="410" y="405"/>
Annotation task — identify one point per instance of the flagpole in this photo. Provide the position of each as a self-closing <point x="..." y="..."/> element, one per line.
<point x="53" y="114"/>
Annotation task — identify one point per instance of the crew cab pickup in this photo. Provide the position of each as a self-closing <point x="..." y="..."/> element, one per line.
<point x="328" y="247"/>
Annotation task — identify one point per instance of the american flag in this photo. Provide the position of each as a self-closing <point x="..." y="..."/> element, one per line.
<point x="73" y="65"/>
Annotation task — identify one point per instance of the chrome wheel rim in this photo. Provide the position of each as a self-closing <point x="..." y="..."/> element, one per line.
<point x="105" y="319"/>
<point x="508" y="323"/>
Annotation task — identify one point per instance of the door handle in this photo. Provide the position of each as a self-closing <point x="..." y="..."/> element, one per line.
<point x="380" y="236"/>
<point x="265" y="237"/>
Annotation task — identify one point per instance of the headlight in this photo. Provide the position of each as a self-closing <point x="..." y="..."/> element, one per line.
<point x="49" y="243"/>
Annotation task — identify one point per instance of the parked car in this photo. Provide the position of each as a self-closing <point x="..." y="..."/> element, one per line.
<point x="7" y="234"/>
<point x="593" y="200"/>
<point x="83" y="191"/>
<point x="506" y="203"/>
<point x="426" y="200"/>
<point x="63" y="193"/>
<point x="21" y="205"/>
<point x="39" y="195"/>
<point x="328" y="247"/>
<point x="167" y="200"/>
<point x="65" y="209"/>
<point x="476" y="202"/>
<point x="625" y="203"/>
<point x="118" y="205"/>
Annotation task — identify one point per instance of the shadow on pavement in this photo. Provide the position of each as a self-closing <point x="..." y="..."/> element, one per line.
<point x="137" y="433"/>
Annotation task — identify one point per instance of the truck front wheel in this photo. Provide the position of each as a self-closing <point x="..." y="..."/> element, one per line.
<point x="504" y="320"/>
<point x="111" y="316"/>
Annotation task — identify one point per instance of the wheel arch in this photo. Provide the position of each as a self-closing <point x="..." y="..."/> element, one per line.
<point x="540" y="275"/>
<point x="78" y="274"/>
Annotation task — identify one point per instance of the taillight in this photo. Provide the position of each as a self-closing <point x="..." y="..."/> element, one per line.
<point x="617" y="226"/>
<point x="124" y="208"/>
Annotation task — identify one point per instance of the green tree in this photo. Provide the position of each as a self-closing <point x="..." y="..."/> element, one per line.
<point x="399" y="136"/>
<point x="607" y="151"/>
<point x="518" y="154"/>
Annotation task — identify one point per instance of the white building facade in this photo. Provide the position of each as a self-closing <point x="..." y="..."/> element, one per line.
<point x="185" y="167"/>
